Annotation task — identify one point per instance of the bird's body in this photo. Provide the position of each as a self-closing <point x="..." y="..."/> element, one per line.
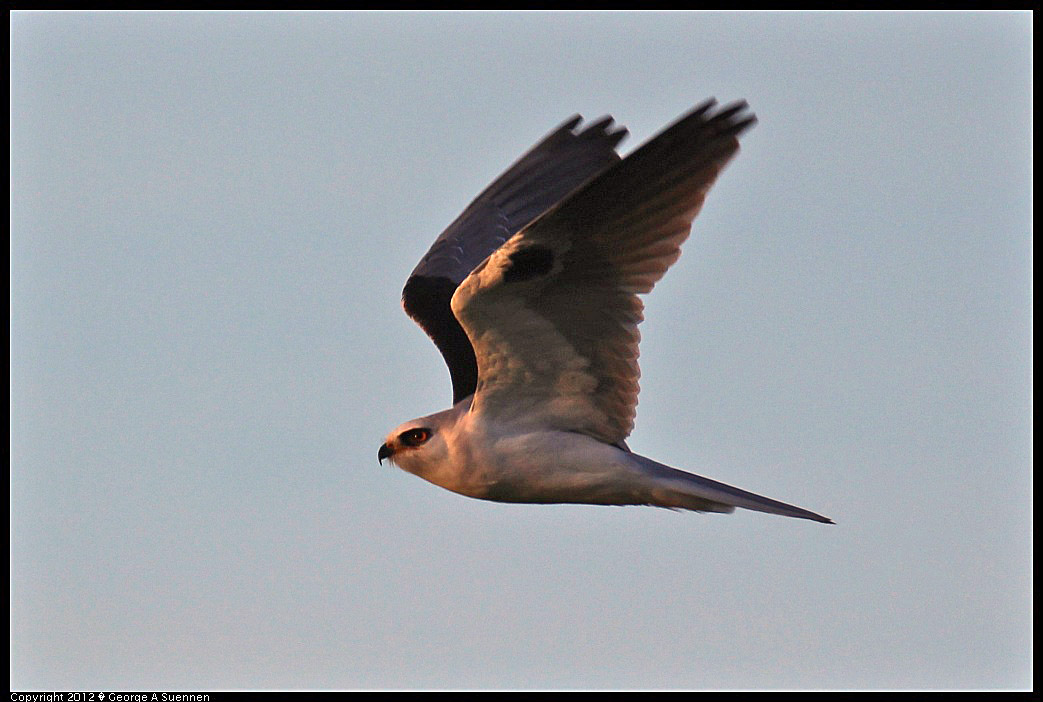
<point x="490" y="460"/>
<point x="531" y="296"/>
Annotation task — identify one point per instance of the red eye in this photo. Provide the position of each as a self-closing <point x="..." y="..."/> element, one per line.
<point x="415" y="437"/>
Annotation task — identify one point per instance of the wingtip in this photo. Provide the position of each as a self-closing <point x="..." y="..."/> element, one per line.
<point x="604" y="127"/>
<point x="601" y="129"/>
<point x="600" y="124"/>
<point x="735" y="117"/>
<point x="571" y="123"/>
<point x="703" y="106"/>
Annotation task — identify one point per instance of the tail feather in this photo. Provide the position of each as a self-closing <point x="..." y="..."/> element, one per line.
<point x="678" y="489"/>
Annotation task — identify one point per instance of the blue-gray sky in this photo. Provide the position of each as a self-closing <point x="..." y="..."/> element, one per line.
<point x="212" y="217"/>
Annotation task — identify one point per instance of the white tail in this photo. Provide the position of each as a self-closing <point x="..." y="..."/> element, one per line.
<point x="678" y="489"/>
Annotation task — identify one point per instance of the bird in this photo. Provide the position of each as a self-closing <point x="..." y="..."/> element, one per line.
<point x="532" y="297"/>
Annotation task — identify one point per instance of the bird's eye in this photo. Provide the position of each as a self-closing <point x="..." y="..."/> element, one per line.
<point x="415" y="437"/>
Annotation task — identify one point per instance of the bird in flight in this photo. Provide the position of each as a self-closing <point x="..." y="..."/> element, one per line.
<point x="531" y="296"/>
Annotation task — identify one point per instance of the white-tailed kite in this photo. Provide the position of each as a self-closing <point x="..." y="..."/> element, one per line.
<point x="531" y="296"/>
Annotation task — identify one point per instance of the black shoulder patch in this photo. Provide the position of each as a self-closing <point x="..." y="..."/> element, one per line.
<point x="528" y="263"/>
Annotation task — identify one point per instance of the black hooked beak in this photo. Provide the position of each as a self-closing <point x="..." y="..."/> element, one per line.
<point x="384" y="452"/>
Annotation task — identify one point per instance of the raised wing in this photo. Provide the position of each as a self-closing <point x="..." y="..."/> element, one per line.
<point x="561" y="162"/>
<point x="553" y="313"/>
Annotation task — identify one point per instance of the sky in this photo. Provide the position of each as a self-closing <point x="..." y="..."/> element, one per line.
<point x="213" y="215"/>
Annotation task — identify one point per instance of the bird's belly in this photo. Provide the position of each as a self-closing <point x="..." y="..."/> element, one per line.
<point x="548" y="467"/>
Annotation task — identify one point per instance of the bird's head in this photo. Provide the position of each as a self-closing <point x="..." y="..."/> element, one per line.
<point x="421" y="446"/>
<point x="408" y="440"/>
